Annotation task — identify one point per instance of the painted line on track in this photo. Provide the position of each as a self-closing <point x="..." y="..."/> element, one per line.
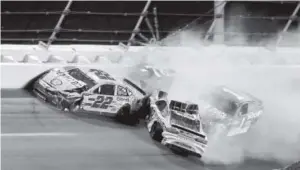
<point x="60" y="134"/>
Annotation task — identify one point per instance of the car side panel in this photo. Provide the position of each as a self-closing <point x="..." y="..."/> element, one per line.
<point x="99" y="103"/>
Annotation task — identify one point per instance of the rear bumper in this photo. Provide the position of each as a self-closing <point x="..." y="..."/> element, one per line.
<point x="185" y="143"/>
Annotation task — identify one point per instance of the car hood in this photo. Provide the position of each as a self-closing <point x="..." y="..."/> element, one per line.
<point x="62" y="83"/>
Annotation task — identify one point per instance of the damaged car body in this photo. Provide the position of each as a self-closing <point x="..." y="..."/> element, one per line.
<point x="93" y="90"/>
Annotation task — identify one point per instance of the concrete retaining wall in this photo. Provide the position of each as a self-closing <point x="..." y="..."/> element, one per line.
<point x="283" y="55"/>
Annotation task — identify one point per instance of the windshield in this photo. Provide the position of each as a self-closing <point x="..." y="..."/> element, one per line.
<point x="183" y="107"/>
<point x="79" y="75"/>
<point x="223" y="104"/>
<point x="101" y="74"/>
<point x="185" y="122"/>
<point x="177" y="106"/>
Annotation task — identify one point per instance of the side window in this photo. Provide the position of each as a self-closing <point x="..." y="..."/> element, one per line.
<point x="106" y="89"/>
<point x="244" y="109"/>
<point x="192" y="109"/>
<point x="122" y="91"/>
<point x="161" y="104"/>
<point x="129" y="92"/>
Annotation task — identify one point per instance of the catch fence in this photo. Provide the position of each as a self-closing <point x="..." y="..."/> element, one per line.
<point x="151" y="22"/>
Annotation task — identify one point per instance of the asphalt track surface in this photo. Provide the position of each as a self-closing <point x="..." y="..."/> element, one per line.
<point x="36" y="136"/>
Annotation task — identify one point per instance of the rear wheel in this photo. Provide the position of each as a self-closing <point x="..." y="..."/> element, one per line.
<point x="156" y="132"/>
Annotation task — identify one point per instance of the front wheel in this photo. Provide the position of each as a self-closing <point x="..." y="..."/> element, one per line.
<point x="144" y="110"/>
<point x="156" y="132"/>
<point x="125" y="116"/>
<point x="74" y="107"/>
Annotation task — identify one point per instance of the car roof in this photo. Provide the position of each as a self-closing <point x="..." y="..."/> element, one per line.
<point x="87" y="71"/>
<point x="236" y="95"/>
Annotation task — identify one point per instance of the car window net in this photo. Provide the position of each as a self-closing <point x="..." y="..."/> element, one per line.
<point x="122" y="91"/>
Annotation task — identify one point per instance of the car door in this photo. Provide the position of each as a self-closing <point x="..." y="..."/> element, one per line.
<point x="100" y="99"/>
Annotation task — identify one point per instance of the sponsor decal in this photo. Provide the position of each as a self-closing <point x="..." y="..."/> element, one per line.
<point x="253" y="115"/>
<point x="69" y="78"/>
<point x="91" y="99"/>
<point x="87" y="104"/>
<point x="56" y="82"/>
<point x="123" y="99"/>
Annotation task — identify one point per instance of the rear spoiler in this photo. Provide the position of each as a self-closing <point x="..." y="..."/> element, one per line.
<point x="134" y="86"/>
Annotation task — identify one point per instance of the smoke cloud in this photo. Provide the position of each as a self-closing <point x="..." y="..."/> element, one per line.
<point x="272" y="75"/>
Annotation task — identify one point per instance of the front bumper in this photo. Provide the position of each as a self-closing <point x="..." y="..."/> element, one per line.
<point x="183" y="142"/>
<point x="48" y="94"/>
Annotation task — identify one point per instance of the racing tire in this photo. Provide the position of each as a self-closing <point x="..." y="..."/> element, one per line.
<point x="145" y="109"/>
<point x="125" y="116"/>
<point x="74" y="107"/>
<point x="156" y="132"/>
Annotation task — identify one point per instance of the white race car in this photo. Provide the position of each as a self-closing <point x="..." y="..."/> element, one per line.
<point x="225" y="111"/>
<point x="229" y="112"/>
<point x="150" y="78"/>
<point x="91" y="90"/>
<point x="175" y="124"/>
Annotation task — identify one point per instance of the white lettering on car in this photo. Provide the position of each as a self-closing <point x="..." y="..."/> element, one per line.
<point x="253" y="115"/>
<point x="123" y="99"/>
<point x="67" y="77"/>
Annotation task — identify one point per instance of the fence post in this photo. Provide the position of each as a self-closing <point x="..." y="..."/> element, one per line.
<point x="136" y="28"/>
<point x="218" y="25"/>
<point x="287" y="25"/>
<point x="57" y="27"/>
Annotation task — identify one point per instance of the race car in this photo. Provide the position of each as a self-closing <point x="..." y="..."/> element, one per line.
<point x="224" y="110"/>
<point x="151" y="78"/>
<point x="93" y="90"/>
<point x="175" y="124"/>
<point x="229" y="112"/>
<point x="293" y="166"/>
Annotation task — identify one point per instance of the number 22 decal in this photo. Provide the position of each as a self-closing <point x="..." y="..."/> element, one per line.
<point x="102" y="102"/>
